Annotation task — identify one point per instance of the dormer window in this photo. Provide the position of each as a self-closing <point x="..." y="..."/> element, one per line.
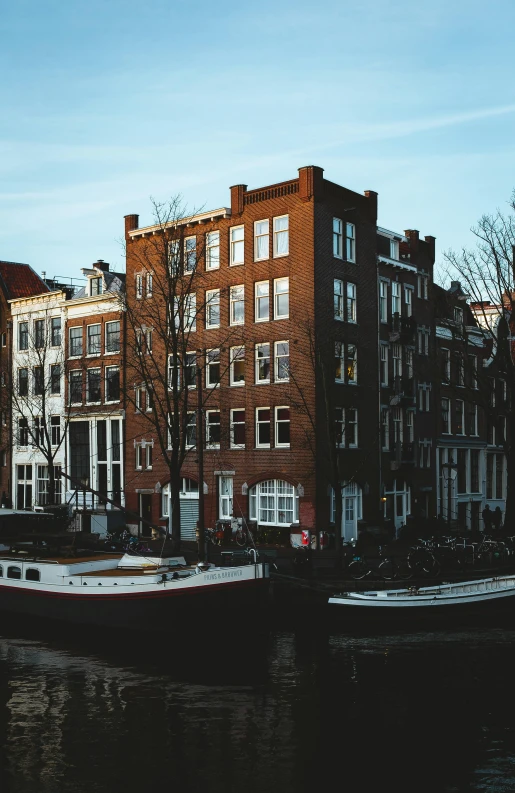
<point x="95" y="286"/>
<point x="394" y="249"/>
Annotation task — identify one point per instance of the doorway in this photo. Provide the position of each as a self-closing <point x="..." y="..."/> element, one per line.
<point x="145" y="514"/>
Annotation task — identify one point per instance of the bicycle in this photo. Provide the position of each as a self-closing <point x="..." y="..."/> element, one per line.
<point x="388" y="568"/>
<point x="422" y="560"/>
<point x="214" y="536"/>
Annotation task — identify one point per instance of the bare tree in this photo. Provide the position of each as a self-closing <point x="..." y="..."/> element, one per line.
<point x="487" y="274"/>
<point x="165" y="363"/>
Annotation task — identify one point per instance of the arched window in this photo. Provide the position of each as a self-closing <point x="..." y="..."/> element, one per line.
<point x="32" y="574"/>
<point x="14" y="572"/>
<point x="274" y="502"/>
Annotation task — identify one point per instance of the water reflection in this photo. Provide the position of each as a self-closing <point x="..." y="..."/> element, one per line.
<point x="293" y="711"/>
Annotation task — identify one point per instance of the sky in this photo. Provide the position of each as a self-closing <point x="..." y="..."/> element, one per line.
<point x="107" y="104"/>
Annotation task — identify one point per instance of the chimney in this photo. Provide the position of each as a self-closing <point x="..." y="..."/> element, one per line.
<point x="372" y="206"/>
<point x="237" y="192"/>
<point x="412" y="235"/>
<point x="131" y="223"/>
<point x="311" y="182"/>
<point x="100" y="264"/>
<point x="431" y="242"/>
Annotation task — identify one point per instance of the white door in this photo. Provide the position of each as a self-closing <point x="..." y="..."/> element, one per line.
<point x="350" y="522"/>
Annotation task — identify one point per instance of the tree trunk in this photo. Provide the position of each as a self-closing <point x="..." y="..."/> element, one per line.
<point x="175" y="507"/>
<point x="338" y="520"/>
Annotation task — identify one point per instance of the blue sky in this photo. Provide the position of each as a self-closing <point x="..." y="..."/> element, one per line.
<point x="105" y="104"/>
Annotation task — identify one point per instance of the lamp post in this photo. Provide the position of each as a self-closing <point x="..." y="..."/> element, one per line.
<point x="449" y="472"/>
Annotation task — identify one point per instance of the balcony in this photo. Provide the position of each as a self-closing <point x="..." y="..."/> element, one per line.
<point x="403" y="391"/>
<point x="403" y="454"/>
<point x="403" y="329"/>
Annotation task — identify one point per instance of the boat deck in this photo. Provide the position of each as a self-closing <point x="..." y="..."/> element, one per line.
<point x="119" y="572"/>
<point x="65" y="560"/>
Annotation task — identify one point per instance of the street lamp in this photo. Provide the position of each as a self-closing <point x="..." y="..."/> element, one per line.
<point x="449" y="472"/>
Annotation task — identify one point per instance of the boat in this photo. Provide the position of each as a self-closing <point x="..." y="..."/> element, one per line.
<point x="484" y="594"/>
<point x="120" y="590"/>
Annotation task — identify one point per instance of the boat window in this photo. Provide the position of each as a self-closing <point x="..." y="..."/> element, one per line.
<point x="14" y="572"/>
<point x="1" y="571"/>
<point x="32" y="574"/>
<point x="70" y="583"/>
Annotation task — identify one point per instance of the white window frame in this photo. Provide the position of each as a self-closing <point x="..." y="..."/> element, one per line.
<point x="277" y="296"/>
<point x="237" y="244"/>
<point x="236" y="354"/>
<point x="234" y="301"/>
<point x="191" y="425"/>
<point x="397" y="359"/>
<point x="88" y="372"/>
<point x="212" y="300"/>
<point x="98" y="336"/>
<point x="337" y="238"/>
<point x="210" y="444"/>
<point x="80" y="335"/>
<point x="139" y="286"/>
<point x="107" y="350"/>
<point x="445" y="405"/>
<point x="259" y="236"/>
<point x="190" y="252"/>
<point x="351" y="302"/>
<point x="279" y="421"/>
<point x="383" y="301"/>
<point x="383" y="368"/>
<point x="396" y="297"/>
<point x="394" y="250"/>
<point x="281" y="234"/>
<point x="350" y="242"/>
<point x="278" y="356"/>
<point x="258" y="358"/>
<point x="234" y="423"/>
<point x="149" y="284"/>
<point x="211" y="360"/>
<point x="354" y="380"/>
<point x="446" y="364"/>
<point x="225" y="497"/>
<point x="460" y="409"/>
<point x="422" y="286"/>
<point x="339" y="310"/>
<point x="212" y="250"/>
<point x="258" y="285"/>
<point x="262" y="422"/>
<point x="408" y="300"/>
<point x="107" y="370"/>
<point x="272" y="490"/>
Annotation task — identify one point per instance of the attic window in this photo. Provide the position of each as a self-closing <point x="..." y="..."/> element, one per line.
<point x="95" y="286"/>
<point x="394" y="249"/>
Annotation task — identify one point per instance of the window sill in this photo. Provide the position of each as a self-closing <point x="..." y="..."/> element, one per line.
<point x="112" y="352"/>
<point x="236" y="264"/>
<point x="213" y="327"/>
<point x="237" y="385"/>
<point x="212" y="269"/>
<point x="236" y="448"/>
<point x="280" y="255"/>
<point x="262" y="447"/>
<point x="283" y="316"/>
<point x="282" y="446"/>
<point x="262" y="382"/>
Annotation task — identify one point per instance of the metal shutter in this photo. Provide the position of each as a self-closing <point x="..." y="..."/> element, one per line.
<point x="189" y="517"/>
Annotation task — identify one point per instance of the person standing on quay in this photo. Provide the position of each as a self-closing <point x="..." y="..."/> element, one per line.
<point x="487" y="519"/>
<point x="497" y="519"/>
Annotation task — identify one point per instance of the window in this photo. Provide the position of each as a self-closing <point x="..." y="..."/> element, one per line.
<point x="262" y="301"/>
<point x="383" y="301"/>
<point x="460" y="417"/>
<point x="446" y="416"/>
<point x="190" y="254"/>
<point x="14" y="572"/>
<point x="190" y="313"/>
<point x="350" y="239"/>
<point x="212" y="368"/>
<point x="346" y="427"/>
<point x="351" y="302"/>
<point x="24" y="486"/>
<point x="237" y="365"/>
<point x="113" y="336"/>
<point x="351" y="363"/>
<point x="423" y="341"/>
<point x="55" y="430"/>
<point x="408" y="301"/>
<point x="282" y="426"/>
<point x="94" y="339"/>
<point x="23" y="336"/>
<point x="190" y="370"/>
<point x="39" y="380"/>
<point x="396" y="297"/>
<point x="410" y="429"/>
<point x="142" y="398"/>
<point x="408" y="358"/>
<point x="385" y="429"/>
<point x="338" y="300"/>
<point x="281" y="236"/>
<point x="174" y="372"/>
<point x="460" y="369"/>
<point x="394" y="249"/>
<point x="474" y="471"/>
<point x="213" y="250"/>
<point x="337" y="238"/>
<point x="263" y="428"/>
<point x="281" y="298"/>
<point x="95" y="285"/>
<point x="38" y="431"/>
<point x="76" y="342"/>
<point x="491" y="383"/>
<point x="237" y="440"/>
<point x="446" y="365"/>
<point x="274" y="502"/>
<point x="237" y="245"/>
<point x="76" y="387"/>
<point x="213" y="308"/>
<point x="237" y="305"/>
<point x="139" y="285"/>
<point x="150" y="284"/>
<point x="213" y="429"/>
<point x="112" y="384"/>
<point x="144" y="340"/>
<point x="397" y="425"/>
<point x="422" y="284"/>
<point x="282" y="361"/>
<point x="225" y="503"/>
<point x="23" y="432"/>
<point x="39" y="334"/>
<point x="397" y="360"/>
<point x="423" y="397"/>
<point x="262" y="363"/>
<point x="472" y="419"/>
<point x="384" y="365"/>
<point x="93" y="385"/>
<point x="339" y="355"/>
<point x="55" y="331"/>
<point x="458" y="317"/>
<point x="42" y="485"/>
<point x="261" y="240"/>
<point x="23" y="382"/>
<point x="55" y="378"/>
<point x="174" y="258"/>
<point x="144" y="451"/>
<point x="191" y="431"/>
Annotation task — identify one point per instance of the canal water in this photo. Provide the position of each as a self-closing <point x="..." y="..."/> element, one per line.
<point x="298" y="709"/>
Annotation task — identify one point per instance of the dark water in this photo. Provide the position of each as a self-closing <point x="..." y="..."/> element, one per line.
<point x="298" y="710"/>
